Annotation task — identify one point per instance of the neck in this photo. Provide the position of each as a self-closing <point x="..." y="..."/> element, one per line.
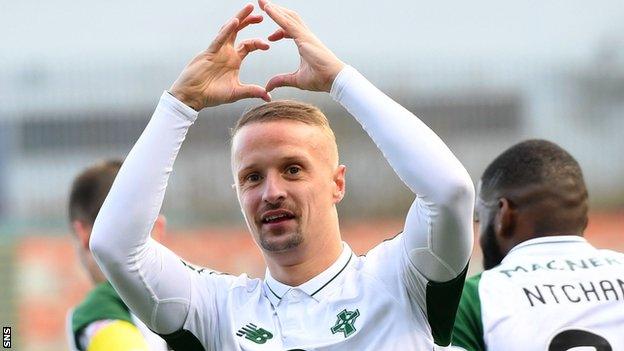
<point x="296" y="267"/>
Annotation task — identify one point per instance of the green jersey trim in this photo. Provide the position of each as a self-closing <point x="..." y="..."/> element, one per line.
<point x="442" y="301"/>
<point x="334" y="277"/>
<point x="468" y="330"/>
<point x="102" y="302"/>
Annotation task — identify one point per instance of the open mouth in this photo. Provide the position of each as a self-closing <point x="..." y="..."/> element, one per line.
<point x="276" y="217"/>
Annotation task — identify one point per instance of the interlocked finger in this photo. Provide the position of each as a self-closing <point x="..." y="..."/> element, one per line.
<point x="250" y="45"/>
<point x="282" y="80"/>
<point x="279" y="35"/>
<point x="251" y="19"/>
<point x="244" y="91"/>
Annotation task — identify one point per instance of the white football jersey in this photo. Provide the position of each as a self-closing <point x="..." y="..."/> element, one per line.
<point x="402" y="295"/>
<point x="372" y="302"/>
<point x="552" y="293"/>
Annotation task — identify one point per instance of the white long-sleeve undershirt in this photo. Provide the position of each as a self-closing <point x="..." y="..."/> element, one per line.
<point x="441" y="247"/>
<point x="150" y="278"/>
<point x="155" y="283"/>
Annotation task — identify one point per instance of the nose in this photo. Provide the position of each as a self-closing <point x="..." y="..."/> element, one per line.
<point x="274" y="191"/>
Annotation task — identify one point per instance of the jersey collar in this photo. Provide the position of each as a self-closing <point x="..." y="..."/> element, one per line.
<point x="314" y="287"/>
<point x="543" y="243"/>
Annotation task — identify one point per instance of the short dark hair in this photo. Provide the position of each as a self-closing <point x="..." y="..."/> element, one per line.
<point x="90" y="188"/>
<point x="532" y="162"/>
<point x="548" y="175"/>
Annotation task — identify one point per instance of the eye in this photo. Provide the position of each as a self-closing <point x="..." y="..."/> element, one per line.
<point x="292" y="170"/>
<point x="252" y="178"/>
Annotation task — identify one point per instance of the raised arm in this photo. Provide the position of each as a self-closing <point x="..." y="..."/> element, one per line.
<point x="152" y="280"/>
<point x="438" y="228"/>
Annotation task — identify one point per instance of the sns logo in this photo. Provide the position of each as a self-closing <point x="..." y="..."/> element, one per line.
<point x="255" y="334"/>
<point x="6" y="337"/>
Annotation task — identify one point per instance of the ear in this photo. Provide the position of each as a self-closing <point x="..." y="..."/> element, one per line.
<point x="505" y="219"/>
<point x="83" y="232"/>
<point x="340" y="183"/>
<point x="159" y="231"/>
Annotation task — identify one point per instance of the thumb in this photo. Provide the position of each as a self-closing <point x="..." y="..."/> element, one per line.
<point x="245" y="91"/>
<point x="282" y="80"/>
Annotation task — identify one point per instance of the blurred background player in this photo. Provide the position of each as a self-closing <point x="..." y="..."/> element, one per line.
<point x="545" y="287"/>
<point x="102" y="322"/>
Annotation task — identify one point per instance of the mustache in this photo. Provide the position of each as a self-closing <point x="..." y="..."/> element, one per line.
<point x="277" y="206"/>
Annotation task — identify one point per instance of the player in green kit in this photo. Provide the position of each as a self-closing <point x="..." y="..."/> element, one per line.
<point x="544" y="286"/>
<point x="102" y="322"/>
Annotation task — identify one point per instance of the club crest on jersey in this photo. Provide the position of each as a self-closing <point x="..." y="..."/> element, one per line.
<point x="254" y="333"/>
<point x="345" y="322"/>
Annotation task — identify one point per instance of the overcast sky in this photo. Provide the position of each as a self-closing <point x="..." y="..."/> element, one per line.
<point x="483" y="29"/>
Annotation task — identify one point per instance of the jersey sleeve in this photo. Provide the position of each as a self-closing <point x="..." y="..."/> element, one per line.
<point x="152" y="280"/>
<point x="468" y="328"/>
<point x="438" y="228"/>
<point x="433" y="251"/>
<point x="112" y="335"/>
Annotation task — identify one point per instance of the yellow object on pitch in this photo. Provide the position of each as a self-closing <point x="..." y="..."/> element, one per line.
<point x="118" y="336"/>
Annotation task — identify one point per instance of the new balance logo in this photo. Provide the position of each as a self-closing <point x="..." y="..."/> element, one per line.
<point x="345" y="322"/>
<point x="255" y="334"/>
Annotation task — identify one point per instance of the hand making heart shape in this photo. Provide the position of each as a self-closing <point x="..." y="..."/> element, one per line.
<point x="212" y="77"/>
